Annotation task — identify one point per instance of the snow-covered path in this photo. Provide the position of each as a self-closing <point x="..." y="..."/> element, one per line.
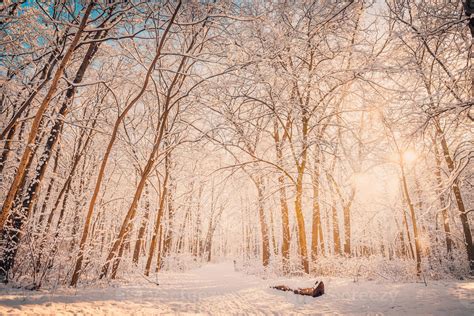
<point x="217" y="289"/>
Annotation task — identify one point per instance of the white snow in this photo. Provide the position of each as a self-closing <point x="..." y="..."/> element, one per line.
<point x="218" y="289"/>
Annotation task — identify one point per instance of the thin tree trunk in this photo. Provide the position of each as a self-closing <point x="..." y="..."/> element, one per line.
<point x="263" y="224"/>
<point x="159" y="255"/>
<point x="158" y="225"/>
<point x="407" y="229"/>
<point x="7" y="148"/>
<point x="403" y="253"/>
<point x="272" y="230"/>
<point x="335" y="230"/>
<point x="442" y="201"/>
<point x="141" y="232"/>
<point x="413" y="219"/>
<point x="118" y="257"/>
<point x="285" y="221"/>
<point x="301" y="223"/>
<point x="299" y="196"/>
<point x="346" y="208"/>
<point x="208" y="246"/>
<point x="84" y="178"/>
<point x="347" y="227"/>
<point x="169" y="232"/>
<point x="316" y="229"/>
<point x="197" y="234"/>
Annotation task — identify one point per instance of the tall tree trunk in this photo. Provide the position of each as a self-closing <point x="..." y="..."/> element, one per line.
<point x="347" y="224"/>
<point x="197" y="230"/>
<point x="407" y="229"/>
<point x="413" y="219"/>
<point x="263" y="223"/>
<point x="402" y="253"/>
<point x="272" y="230"/>
<point x="159" y="255"/>
<point x="125" y="244"/>
<point x="442" y="201"/>
<point x="335" y="230"/>
<point x="7" y="148"/>
<point x="316" y="230"/>
<point x="301" y="223"/>
<point x="285" y="220"/>
<point x="158" y="225"/>
<point x="169" y="232"/>
<point x="139" y="243"/>
<point x="301" y="167"/>
<point x="85" y="177"/>
<point x="346" y="208"/>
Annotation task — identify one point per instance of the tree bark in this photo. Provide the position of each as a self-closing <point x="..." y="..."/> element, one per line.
<point x="413" y="219"/>
<point x="263" y="224"/>
<point x="299" y="196"/>
<point x="139" y="243"/>
<point x="316" y="230"/>
<point x="335" y="230"/>
<point x="347" y="228"/>
<point x="158" y="225"/>
<point x="285" y="220"/>
<point x="442" y="201"/>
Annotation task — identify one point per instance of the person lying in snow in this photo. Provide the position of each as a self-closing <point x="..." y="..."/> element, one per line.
<point x="315" y="291"/>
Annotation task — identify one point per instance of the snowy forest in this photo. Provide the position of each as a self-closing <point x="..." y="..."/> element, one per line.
<point x="291" y="138"/>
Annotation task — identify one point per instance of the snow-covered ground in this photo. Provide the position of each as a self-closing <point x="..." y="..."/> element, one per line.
<point x="218" y="289"/>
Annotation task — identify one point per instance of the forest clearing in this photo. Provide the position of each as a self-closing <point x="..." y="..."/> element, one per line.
<point x="237" y="157"/>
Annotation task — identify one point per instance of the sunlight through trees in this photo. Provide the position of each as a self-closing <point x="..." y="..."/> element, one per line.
<point x="294" y="137"/>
